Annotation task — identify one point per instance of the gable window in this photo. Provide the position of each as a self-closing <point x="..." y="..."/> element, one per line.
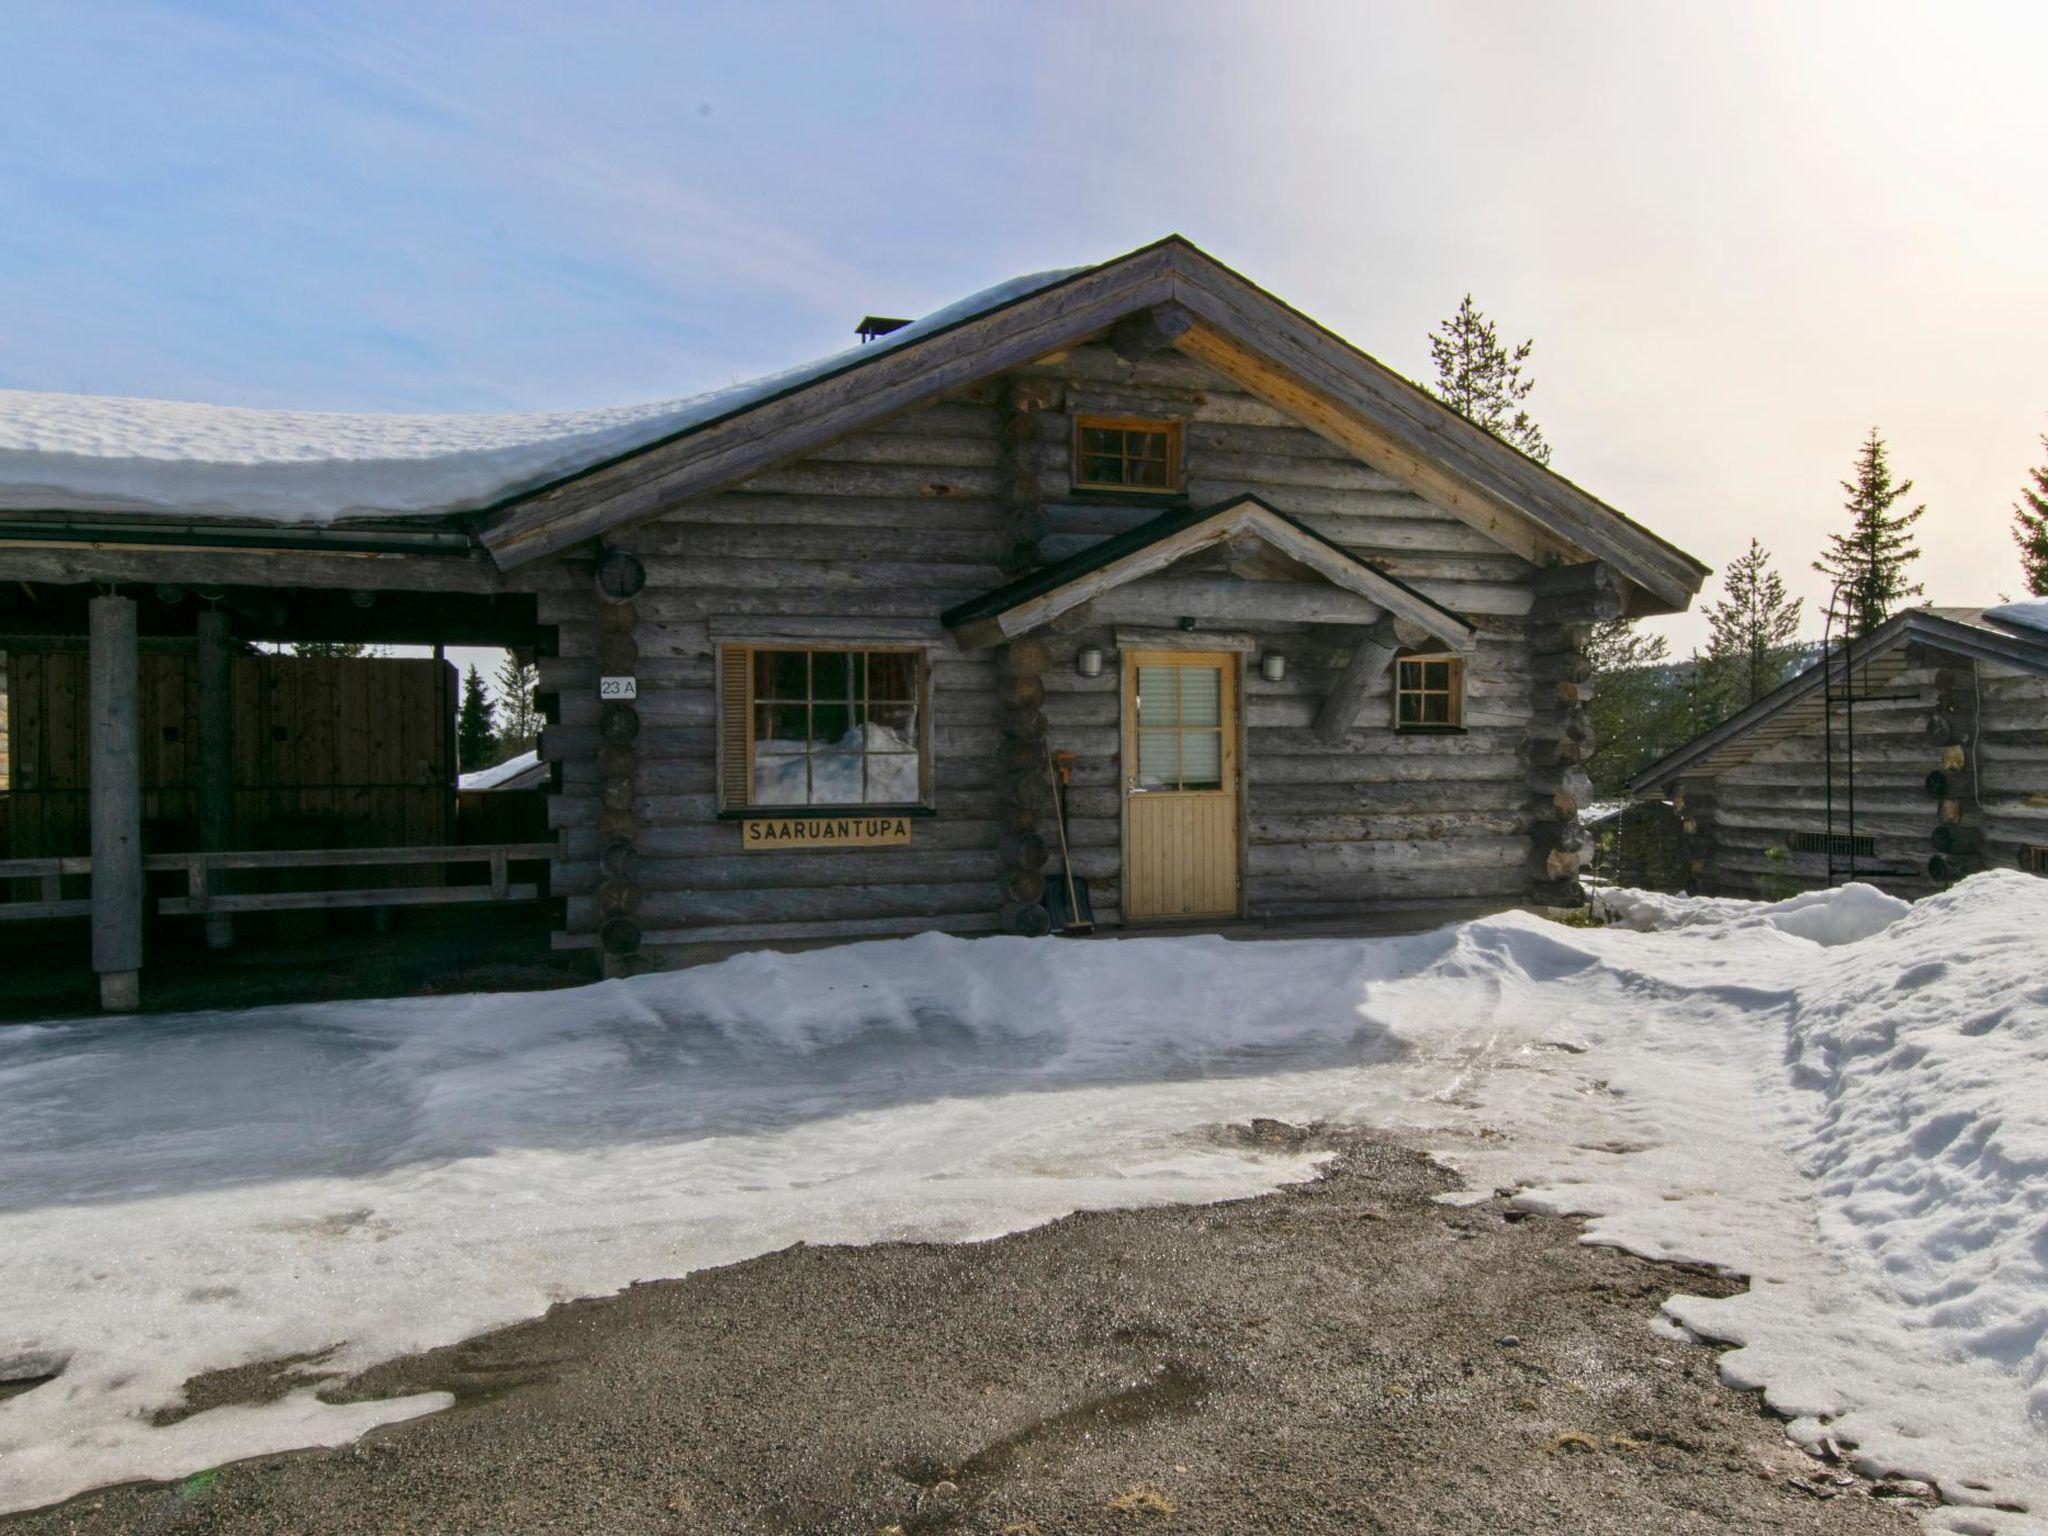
<point x="1126" y="454"/>
<point x="801" y="727"/>
<point x="1429" y="693"/>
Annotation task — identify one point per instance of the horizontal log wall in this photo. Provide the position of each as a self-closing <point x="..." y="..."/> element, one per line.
<point x="1983" y="727"/>
<point x="874" y="532"/>
<point x="893" y="526"/>
<point x="2012" y="761"/>
<point x="1375" y="819"/>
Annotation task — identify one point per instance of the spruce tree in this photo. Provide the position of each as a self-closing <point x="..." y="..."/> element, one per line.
<point x="1752" y="629"/>
<point x="2030" y="527"/>
<point x="1641" y="707"/>
<point x="1482" y="380"/>
<point x="517" y="681"/>
<point x="345" y="650"/>
<point x="474" y="737"/>
<point x="1869" y="561"/>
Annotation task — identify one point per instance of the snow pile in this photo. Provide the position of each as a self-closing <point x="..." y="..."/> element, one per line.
<point x="1840" y="916"/>
<point x="1837" y="1095"/>
<point x="2030" y="615"/>
<point x="91" y="453"/>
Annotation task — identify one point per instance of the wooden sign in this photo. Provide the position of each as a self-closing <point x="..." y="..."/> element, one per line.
<point x="825" y="832"/>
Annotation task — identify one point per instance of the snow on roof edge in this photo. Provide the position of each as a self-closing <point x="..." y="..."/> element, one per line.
<point x="88" y="453"/>
<point x="499" y="773"/>
<point x="2023" y="615"/>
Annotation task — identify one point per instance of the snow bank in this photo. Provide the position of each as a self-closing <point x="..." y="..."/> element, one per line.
<point x="87" y="453"/>
<point x="1840" y="916"/>
<point x="1836" y="1095"/>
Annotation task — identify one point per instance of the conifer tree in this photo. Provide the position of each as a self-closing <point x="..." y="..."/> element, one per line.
<point x="2030" y="527"/>
<point x="1751" y="629"/>
<point x="1639" y="709"/>
<point x="474" y="737"/>
<point x="520" y="720"/>
<point x="345" y="650"/>
<point x="1869" y="561"/>
<point x="1482" y="380"/>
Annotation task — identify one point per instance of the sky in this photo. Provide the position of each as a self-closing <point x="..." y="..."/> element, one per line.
<point x="1740" y="235"/>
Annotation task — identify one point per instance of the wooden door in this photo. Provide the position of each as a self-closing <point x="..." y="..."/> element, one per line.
<point x="1181" y="793"/>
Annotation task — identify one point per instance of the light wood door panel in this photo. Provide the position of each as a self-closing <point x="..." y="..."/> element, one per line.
<point x="1181" y="794"/>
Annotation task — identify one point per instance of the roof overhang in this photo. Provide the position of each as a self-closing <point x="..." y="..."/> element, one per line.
<point x="1031" y="601"/>
<point x="1207" y="311"/>
<point x="1797" y="702"/>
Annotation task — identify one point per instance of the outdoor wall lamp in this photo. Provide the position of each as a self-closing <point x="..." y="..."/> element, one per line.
<point x="1272" y="666"/>
<point x="1088" y="661"/>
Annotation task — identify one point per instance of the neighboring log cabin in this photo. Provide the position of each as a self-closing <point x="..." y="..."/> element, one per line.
<point x="1923" y="758"/>
<point x="1303" y="643"/>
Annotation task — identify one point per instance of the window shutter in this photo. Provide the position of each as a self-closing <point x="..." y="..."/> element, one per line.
<point x="734" y="728"/>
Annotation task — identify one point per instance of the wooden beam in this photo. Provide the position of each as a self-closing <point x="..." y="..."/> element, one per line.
<point x="1357" y="682"/>
<point x="115" y="801"/>
<point x="1138" y="638"/>
<point x="78" y="564"/>
<point x="216" y="753"/>
<point x="1149" y="331"/>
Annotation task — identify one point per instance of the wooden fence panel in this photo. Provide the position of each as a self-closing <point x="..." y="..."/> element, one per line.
<point x="327" y="752"/>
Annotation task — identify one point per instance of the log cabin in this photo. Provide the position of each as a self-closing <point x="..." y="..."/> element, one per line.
<point x="1910" y="758"/>
<point x="1130" y="569"/>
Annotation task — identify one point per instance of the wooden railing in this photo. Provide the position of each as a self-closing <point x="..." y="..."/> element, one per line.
<point x="49" y="875"/>
<point x="199" y="869"/>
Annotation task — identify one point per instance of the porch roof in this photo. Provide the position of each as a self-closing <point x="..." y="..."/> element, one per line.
<point x="1040" y="597"/>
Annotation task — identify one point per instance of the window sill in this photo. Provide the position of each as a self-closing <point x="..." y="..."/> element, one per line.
<point x="1122" y="495"/>
<point x="821" y="812"/>
<point x="1430" y="730"/>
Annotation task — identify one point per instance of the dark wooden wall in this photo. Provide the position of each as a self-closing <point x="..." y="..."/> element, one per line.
<point x="328" y="752"/>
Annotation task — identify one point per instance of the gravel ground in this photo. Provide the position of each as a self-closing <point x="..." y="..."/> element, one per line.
<point x="1342" y="1356"/>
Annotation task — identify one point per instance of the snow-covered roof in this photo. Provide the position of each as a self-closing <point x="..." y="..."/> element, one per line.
<point x="2028" y="615"/>
<point x="94" y="453"/>
<point x="502" y="775"/>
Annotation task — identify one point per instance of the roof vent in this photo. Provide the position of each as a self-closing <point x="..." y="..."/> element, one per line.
<point x="872" y="326"/>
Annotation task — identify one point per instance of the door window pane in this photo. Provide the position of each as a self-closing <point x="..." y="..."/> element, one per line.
<point x="1158" y="696"/>
<point x="1201" y="695"/>
<point x="1159" y="759"/>
<point x="1180" y="727"/>
<point x="1201" y="759"/>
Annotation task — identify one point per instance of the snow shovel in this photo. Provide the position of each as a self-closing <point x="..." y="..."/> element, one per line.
<point x="1066" y="899"/>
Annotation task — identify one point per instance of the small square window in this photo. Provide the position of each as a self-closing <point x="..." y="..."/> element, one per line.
<point x="1429" y="692"/>
<point x="1119" y="453"/>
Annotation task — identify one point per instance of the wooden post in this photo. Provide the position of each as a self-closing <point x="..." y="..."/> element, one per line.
<point x="216" y="760"/>
<point x="1360" y="677"/>
<point x="115" y="800"/>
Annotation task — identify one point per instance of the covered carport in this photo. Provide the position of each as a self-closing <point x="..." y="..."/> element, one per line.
<point x="169" y="775"/>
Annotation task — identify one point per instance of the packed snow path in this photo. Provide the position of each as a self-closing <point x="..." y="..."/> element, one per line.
<point x="1843" y="1098"/>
